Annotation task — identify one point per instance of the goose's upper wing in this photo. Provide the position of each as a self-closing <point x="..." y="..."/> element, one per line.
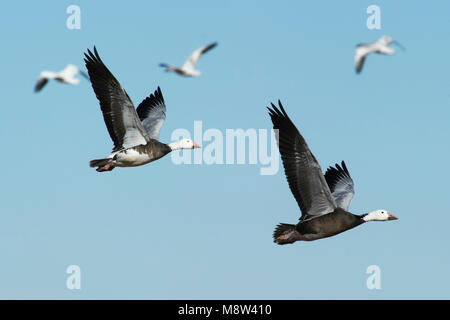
<point x="360" y="56"/>
<point x="302" y="170"/>
<point x="69" y="71"/>
<point x="44" y="76"/>
<point x="341" y="185"/>
<point x="152" y="113"/>
<point x="121" y="118"/>
<point x="41" y="82"/>
<point x="195" y="56"/>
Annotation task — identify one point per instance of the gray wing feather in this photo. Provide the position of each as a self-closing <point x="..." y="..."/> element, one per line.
<point x="341" y="185"/>
<point x="152" y="113"/>
<point x="121" y="119"/>
<point x="302" y="170"/>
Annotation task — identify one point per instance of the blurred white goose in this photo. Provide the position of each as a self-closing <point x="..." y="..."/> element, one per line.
<point x="380" y="46"/>
<point x="135" y="132"/>
<point x="67" y="75"/>
<point x="188" y="68"/>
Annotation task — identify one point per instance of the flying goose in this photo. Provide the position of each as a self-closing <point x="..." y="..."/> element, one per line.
<point x="188" y="68"/>
<point x="134" y="132"/>
<point x="380" y="46"/>
<point x="323" y="200"/>
<point x="67" y="75"/>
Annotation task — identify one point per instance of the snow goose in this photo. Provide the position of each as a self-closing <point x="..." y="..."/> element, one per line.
<point x="380" y="46"/>
<point x="323" y="200"/>
<point x="188" y="68"/>
<point x="65" y="76"/>
<point x="134" y="132"/>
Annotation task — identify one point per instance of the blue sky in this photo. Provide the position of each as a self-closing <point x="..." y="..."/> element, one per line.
<point x="165" y="231"/>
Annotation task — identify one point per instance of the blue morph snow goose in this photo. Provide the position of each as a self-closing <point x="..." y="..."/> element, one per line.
<point x="134" y="132"/>
<point x="323" y="199"/>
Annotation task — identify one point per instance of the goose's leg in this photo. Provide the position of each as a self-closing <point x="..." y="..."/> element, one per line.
<point x="106" y="167"/>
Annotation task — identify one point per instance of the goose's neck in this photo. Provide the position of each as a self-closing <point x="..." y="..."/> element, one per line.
<point x="364" y="217"/>
<point x="177" y="145"/>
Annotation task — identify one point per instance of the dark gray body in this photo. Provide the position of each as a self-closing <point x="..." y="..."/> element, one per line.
<point x="327" y="225"/>
<point x="324" y="226"/>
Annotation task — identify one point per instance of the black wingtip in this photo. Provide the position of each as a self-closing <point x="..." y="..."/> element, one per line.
<point x="209" y="47"/>
<point x="282" y="109"/>
<point x="96" y="54"/>
<point x="158" y="94"/>
<point x="333" y="174"/>
<point x="277" y="111"/>
<point x="154" y="100"/>
<point x="344" y="167"/>
<point x="92" y="56"/>
<point x="273" y="111"/>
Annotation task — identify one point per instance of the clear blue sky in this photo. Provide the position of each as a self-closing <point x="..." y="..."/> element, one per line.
<point x="163" y="231"/>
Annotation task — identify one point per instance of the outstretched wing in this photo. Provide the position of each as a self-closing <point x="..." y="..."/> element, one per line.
<point x="360" y="56"/>
<point x="341" y="185"/>
<point x="119" y="114"/>
<point x="69" y="71"/>
<point x="152" y="113"/>
<point x="195" y="56"/>
<point x="44" y="77"/>
<point x="302" y="170"/>
<point x="41" y="82"/>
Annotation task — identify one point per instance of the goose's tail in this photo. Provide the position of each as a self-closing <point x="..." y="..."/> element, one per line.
<point x="102" y="164"/>
<point x="285" y="233"/>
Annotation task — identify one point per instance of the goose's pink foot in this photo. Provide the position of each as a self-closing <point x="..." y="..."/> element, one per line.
<point x="106" y="167"/>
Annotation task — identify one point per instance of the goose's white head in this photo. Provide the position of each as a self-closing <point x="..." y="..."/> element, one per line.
<point x="183" y="144"/>
<point x="379" y="215"/>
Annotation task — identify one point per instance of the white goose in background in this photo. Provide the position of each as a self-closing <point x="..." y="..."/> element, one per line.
<point x="67" y="75"/>
<point x="188" y="68"/>
<point x="135" y="132"/>
<point x="380" y="46"/>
